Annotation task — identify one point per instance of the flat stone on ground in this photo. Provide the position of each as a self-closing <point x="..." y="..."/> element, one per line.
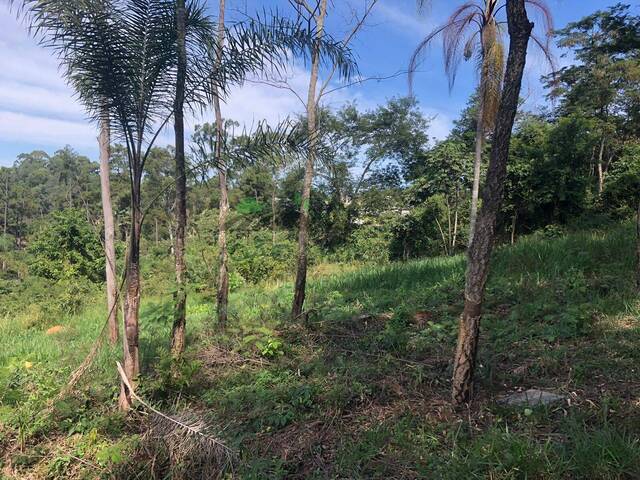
<point x="531" y="398"/>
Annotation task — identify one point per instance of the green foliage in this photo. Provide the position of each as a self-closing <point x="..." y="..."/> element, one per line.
<point x="622" y="189"/>
<point x="368" y="243"/>
<point x="67" y="247"/>
<point x="257" y="257"/>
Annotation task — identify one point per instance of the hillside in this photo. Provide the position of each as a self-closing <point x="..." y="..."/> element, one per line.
<point x="360" y="389"/>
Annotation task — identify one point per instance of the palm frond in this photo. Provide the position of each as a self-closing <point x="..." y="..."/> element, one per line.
<point x="491" y="74"/>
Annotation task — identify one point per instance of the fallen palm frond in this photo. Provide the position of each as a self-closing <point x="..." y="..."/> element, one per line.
<point x="189" y="442"/>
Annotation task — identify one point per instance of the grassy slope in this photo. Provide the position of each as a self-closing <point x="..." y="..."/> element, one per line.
<point x="361" y="389"/>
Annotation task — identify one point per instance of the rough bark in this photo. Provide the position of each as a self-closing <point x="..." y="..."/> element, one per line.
<point x="303" y="232"/>
<point x="479" y="252"/>
<point x="132" y="296"/>
<point x="180" y="307"/>
<point x="104" y="141"/>
<point x="223" y="207"/>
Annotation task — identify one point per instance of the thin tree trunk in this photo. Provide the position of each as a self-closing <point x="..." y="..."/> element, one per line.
<point x="104" y="141"/>
<point x="223" y="208"/>
<point x="479" y="252"/>
<point x="638" y="248"/>
<point x="477" y="168"/>
<point x="303" y="233"/>
<point x="600" y="168"/>
<point x="513" y="227"/>
<point x="455" y="227"/>
<point x="6" y="202"/>
<point x="180" y="308"/>
<point x="273" y="212"/>
<point x="132" y="297"/>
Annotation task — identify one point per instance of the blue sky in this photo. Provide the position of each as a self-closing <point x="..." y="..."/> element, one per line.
<point x="38" y="110"/>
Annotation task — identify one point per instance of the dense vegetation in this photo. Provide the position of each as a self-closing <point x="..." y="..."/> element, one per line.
<point x="358" y="385"/>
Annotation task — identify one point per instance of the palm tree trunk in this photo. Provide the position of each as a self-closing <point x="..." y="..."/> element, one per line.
<point x="477" y="167"/>
<point x="180" y="309"/>
<point x="479" y="252"/>
<point x="223" y="208"/>
<point x="303" y="233"/>
<point x="132" y="296"/>
<point x="104" y="141"/>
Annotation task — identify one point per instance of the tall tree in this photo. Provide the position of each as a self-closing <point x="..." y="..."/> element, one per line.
<point x="180" y="308"/>
<point x="319" y="16"/>
<point x="479" y="252"/>
<point x="104" y="141"/>
<point x="223" y="207"/>
<point x="474" y="29"/>
<point x="315" y="15"/>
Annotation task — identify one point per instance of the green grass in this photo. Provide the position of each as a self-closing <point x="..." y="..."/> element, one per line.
<point x="360" y="389"/>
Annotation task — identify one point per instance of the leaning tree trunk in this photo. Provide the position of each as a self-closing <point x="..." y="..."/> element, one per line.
<point x="104" y="141"/>
<point x="479" y="252"/>
<point x="303" y="233"/>
<point x="223" y="208"/>
<point x="180" y="309"/>
<point x="132" y="295"/>
<point x="477" y="168"/>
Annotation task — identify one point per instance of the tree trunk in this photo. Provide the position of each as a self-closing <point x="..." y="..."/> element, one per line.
<point x="477" y="168"/>
<point x="638" y="248"/>
<point x="273" y="210"/>
<point x="513" y="227"/>
<point x="601" y="168"/>
<point x="479" y="252"/>
<point x="104" y="141"/>
<point x="180" y="309"/>
<point x="6" y="202"/>
<point x="132" y="297"/>
<point x="303" y="233"/>
<point x="223" y="207"/>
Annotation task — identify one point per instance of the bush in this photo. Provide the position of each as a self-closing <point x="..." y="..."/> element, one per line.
<point x="67" y="247"/>
<point x="369" y="244"/>
<point x="257" y="257"/>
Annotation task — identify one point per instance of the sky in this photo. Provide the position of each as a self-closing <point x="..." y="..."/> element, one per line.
<point x="38" y="111"/>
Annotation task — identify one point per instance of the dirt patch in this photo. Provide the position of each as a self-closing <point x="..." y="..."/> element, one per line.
<point x="55" y="329"/>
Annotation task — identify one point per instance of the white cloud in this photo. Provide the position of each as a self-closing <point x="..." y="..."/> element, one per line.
<point x="440" y="125"/>
<point x="403" y="16"/>
<point x="19" y="127"/>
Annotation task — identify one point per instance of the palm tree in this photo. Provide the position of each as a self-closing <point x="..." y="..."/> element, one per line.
<point x="479" y="251"/>
<point x="475" y="30"/>
<point x="180" y="308"/>
<point x="222" y="296"/>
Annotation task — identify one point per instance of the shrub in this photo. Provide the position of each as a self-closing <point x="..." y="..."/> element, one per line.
<point x="369" y="244"/>
<point x="67" y="247"/>
<point x="257" y="257"/>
